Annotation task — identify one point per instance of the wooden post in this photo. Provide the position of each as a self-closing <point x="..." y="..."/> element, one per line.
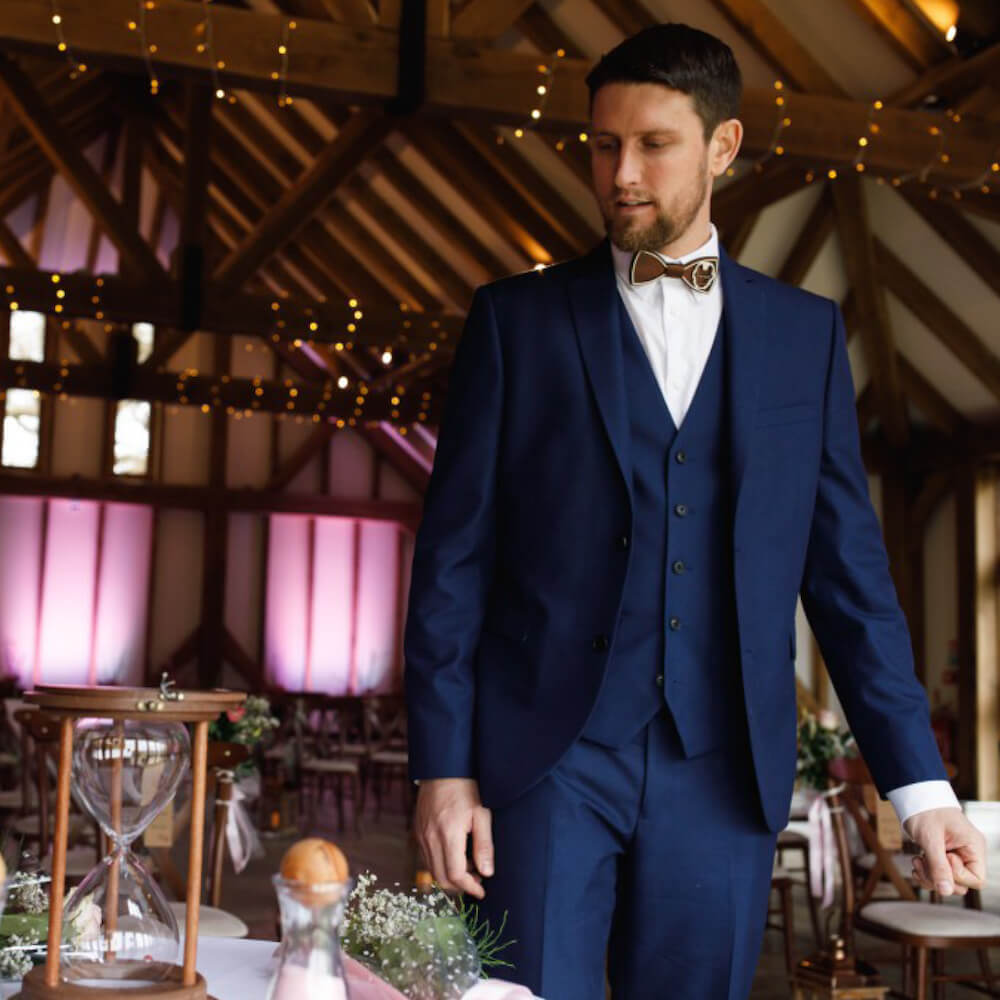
<point x="986" y="625"/>
<point x="199" y="764"/>
<point x="114" y="874"/>
<point x="59" y="852"/>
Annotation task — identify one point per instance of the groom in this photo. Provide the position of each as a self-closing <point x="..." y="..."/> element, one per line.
<point x="648" y="454"/>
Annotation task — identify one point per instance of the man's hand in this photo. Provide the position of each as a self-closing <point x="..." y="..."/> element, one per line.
<point x="954" y="858"/>
<point x="448" y="810"/>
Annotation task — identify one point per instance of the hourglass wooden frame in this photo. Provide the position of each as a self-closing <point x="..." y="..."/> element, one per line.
<point x="163" y="704"/>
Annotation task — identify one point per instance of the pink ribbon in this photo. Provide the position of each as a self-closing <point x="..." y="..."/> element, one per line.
<point x="822" y="849"/>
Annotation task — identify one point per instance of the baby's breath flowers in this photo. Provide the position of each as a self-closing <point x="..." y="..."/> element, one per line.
<point x="420" y="943"/>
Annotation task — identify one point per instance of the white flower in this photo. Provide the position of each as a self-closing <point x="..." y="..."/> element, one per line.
<point x="827" y="719"/>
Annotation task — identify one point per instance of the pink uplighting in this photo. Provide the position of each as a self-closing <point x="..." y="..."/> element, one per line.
<point x="92" y="581"/>
<point x="324" y="630"/>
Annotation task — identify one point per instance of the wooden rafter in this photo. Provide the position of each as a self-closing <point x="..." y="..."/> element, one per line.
<point x="976" y="251"/>
<point x="908" y="33"/>
<point x="630" y="17"/>
<point x="766" y="33"/>
<point x="814" y="233"/>
<point x="12" y="248"/>
<point x="754" y="191"/>
<point x="928" y="400"/>
<point x="339" y="63"/>
<point x="547" y="201"/>
<point x="66" y="157"/>
<point x="487" y="18"/>
<point x="363" y="133"/>
<point x="209" y="498"/>
<point x="950" y="79"/>
<point x="858" y="252"/>
<point x="538" y="28"/>
<point x="359" y="13"/>
<point x="953" y="332"/>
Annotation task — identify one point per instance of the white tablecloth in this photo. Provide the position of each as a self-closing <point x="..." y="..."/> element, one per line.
<point x="234" y="968"/>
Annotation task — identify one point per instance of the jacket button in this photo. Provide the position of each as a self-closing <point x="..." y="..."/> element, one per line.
<point x="681" y="510"/>
<point x="679" y="566"/>
<point x="675" y="624"/>
<point x="659" y="680"/>
<point x="681" y="457"/>
<point x="623" y="542"/>
<point x="600" y="643"/>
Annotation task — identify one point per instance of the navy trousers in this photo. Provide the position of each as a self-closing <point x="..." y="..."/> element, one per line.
<point x="638" y="863"/>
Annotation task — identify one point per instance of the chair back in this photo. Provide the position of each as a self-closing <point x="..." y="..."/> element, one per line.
<point x="850" y="794"/>
<point x="385" y="722"/>
<point x="223" y="758"/>
<point x="39" y="739"/>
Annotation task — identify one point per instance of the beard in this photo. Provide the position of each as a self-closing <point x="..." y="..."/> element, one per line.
<point x="668" y="225"/>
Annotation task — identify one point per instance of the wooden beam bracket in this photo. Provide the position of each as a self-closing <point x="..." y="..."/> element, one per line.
<point x="411" y="82"/>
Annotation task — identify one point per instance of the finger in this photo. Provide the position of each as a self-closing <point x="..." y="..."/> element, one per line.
<point x="937" y="867"/>
<point x="920" y="873"/>
<point x="964" y="877"/>
<point x="974" y="861"/>
<point x="482" y="841"/>
<point x="456" y="865"/>
<point x="435" y="860"/>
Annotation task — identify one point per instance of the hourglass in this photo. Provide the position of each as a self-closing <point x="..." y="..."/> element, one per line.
<point x="129" y="754"/>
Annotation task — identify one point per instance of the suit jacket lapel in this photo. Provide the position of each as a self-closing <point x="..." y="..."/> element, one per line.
<point x="596" y="310"/>
<point x="744" y="316"/>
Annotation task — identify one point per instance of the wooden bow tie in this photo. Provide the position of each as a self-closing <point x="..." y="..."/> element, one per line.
<point x="698" y="274"/>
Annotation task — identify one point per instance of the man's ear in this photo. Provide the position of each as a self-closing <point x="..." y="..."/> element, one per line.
<point x="724" y="146"/>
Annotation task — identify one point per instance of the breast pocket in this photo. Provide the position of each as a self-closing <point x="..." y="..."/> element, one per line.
<point x="791" y="413"/>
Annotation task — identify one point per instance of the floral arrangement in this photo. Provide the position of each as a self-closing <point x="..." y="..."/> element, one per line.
<point x="250" y="724"/>
<point x="24" y="925"/>
<point x="422" y="943"/>
<point x="820" y="740"/>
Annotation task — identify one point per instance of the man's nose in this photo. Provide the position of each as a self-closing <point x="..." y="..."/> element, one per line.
<point x="626" y="170"/>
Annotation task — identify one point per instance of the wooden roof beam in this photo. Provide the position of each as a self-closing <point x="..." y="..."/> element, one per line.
<point x="766" y="33"/>
<point x="928" y="400"/>
<point x="909" y="34"/>
<point x="487" y="18"/>
<point x="754" y="191"/>
<point x="951" y="79"/>
<point x="953" y="332"/>
<point x="69" y="160"/>
<point x="362" y="134"/>
<point x="812" y="236"/>
<point x="858" y="251"/>
<point x="978" y="253"/>
<point x="359" y="13"/>
<point x="337" y="62"/>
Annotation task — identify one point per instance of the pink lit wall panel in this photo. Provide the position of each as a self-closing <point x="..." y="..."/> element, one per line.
<point x="68" y="593"/>
<point x="287" y="615"/>
<point x="20" y="539"/>
<point x="333" y="570"/>
<point x="122" y="595"/>
<point x="377" y="587"/>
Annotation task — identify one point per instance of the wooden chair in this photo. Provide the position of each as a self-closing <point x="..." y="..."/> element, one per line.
<point x="791" y="841"/>
<point x="39" y="746"/>
<point x="781" y="885"/>
<point x="924" y="931"/>
<point x="330" y="757"/>
<point x="213" y="921"/>
<point x="388" y="759"/>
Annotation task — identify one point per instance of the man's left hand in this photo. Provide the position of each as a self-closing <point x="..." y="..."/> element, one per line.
<point x="954" y="858"/>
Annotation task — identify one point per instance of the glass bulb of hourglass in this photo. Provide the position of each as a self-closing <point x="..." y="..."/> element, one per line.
<point x="117" y="923"/>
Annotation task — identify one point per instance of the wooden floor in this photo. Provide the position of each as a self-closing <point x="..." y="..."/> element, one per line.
<point x="386" y="849"/>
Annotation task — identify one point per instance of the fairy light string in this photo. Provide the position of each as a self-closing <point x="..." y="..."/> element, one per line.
<point x="77" y="66"/>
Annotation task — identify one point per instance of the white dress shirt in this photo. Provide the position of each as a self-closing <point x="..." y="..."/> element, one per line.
<point x="677" y="327"/>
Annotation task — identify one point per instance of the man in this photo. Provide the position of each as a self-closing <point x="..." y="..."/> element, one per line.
<point x="641" y="465"/>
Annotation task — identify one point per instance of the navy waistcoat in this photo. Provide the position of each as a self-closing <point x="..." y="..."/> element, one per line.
<point x="675" y="644"/>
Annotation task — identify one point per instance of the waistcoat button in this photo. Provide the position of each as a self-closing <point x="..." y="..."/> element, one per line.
<point x="675" y="624"/>
<point x="681" y="510"/>
<point x="679" y="566"/>
<point x="681" y="457"/>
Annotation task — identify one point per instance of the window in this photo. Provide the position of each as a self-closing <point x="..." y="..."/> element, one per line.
<point x="23" y="407"/>
<point x="133" y="417"/>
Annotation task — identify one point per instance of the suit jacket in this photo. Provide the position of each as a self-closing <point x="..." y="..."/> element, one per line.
<point x="518" y="568"/>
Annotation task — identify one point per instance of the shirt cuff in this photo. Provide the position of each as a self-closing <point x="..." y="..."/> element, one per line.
<point x="908" y="800"/>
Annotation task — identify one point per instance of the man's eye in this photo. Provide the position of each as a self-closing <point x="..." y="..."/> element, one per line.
<point x="651" y="144"/>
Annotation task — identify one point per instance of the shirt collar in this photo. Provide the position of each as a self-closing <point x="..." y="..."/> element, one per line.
<point x="623" y="261"/>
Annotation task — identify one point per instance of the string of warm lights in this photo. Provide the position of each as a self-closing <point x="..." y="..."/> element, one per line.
<point x="207" y="46"/>
<point x="148" y="50"/>
<point x="287" y="27"/>
<point x="77" y="66"/>
<point x="542" y="89"/>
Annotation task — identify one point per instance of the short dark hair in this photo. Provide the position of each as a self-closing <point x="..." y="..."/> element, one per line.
<point x="681" y="58"/>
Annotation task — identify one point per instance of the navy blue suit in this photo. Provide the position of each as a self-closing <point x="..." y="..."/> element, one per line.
<point x="633" y="744"/>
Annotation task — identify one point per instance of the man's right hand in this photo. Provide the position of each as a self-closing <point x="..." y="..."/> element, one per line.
<point x="448" y="810"/>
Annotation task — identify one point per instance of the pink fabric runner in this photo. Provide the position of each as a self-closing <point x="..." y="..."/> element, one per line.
<point x="365" y="985"/>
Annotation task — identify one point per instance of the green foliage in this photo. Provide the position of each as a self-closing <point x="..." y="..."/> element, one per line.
<point x="820" y="740"/>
